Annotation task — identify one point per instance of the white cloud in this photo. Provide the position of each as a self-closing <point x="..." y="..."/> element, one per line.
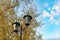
<point x="55" y="35"/>
<point x="57" y="22"/>
<point x="51" y="18"/>
<point x="45" y="14"/>
<point x="56" y="7"/>
<point x="50" y="36"/>
<point x="53" y="13"/>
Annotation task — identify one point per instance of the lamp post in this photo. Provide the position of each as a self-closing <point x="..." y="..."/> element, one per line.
<point x="27" y="19"/>
<point x="16" y="25"/>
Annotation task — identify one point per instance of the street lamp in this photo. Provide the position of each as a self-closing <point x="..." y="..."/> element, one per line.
<point x="16" y="25"/>
<point x="27" y="18"/>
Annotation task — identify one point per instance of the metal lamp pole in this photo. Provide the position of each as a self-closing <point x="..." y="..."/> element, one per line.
<point x="27" y="19"/>
<point x="21" y="33"/>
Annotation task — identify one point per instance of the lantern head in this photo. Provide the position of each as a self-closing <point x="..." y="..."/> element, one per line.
<point x="27" y="19"/>
<point x="16" y="25"/>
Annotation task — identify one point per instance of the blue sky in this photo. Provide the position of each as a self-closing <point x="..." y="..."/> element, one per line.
<point x="50" y="14"/>
<point x="50" y="10"/>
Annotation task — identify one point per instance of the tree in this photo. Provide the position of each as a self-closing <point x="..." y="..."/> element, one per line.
<point x="8" y="16"/>
<point x="39" y="37"/>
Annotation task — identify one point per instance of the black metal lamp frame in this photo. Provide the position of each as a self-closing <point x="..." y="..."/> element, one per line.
<point x="18" y="24"/>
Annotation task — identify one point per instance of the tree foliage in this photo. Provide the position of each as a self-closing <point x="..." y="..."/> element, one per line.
<point x="8" y="16"/>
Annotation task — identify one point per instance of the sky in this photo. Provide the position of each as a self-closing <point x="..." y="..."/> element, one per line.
<point x="50" y="14"/>
<point x="50" y="10"/>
